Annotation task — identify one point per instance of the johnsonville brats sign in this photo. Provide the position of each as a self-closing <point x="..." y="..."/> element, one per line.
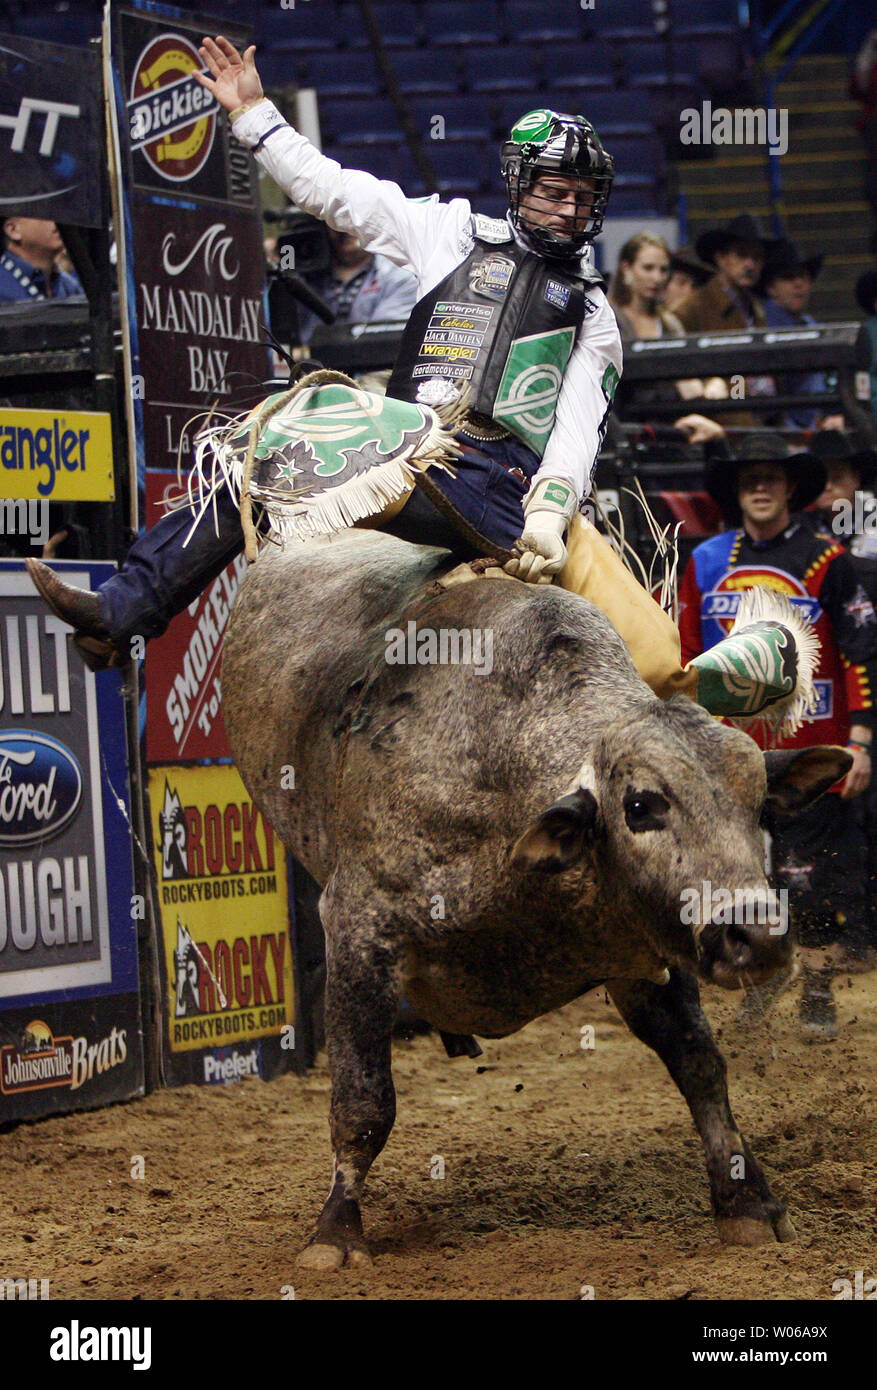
<point x="69" y="919"/>
<point x="226" y="948"/>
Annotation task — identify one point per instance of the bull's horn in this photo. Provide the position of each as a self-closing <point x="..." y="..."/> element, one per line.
<point x="763" y="671"/>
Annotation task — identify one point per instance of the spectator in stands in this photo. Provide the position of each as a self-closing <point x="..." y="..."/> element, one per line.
<point x="819" y="855"/>
<point x="359" y="287"/>
<point x="637" y="289"/>
<point x="786" y="284"/>
<point x="687" y="274"/>
<point x="636" y="295"/>
<point x="727" y="300"/>
<point x="866" y="297"/>
<point x="27" y="263"/>
<point x="853" y="470"/>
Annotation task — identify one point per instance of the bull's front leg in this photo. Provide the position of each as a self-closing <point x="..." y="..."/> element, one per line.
<point x="362" y="999"/>
<point x="670" y="1020"/>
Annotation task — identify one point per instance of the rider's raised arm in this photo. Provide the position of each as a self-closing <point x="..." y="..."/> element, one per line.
<point x="411" y="232"/>
<point x="408" y="231"/>
<point x="585" y="399"/>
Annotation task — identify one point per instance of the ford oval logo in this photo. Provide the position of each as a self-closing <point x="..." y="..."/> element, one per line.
<point x="40" y="787"/>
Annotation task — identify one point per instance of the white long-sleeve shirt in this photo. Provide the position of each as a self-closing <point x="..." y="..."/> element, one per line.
<point x="432" y="238"/>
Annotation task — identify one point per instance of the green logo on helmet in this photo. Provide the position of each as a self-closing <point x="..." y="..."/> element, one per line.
<point x="535" y="127"/>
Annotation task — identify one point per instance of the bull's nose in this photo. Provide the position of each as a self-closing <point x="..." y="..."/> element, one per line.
<point x="754" y="949"/>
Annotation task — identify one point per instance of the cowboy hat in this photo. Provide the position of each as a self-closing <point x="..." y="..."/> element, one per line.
<point x="782" y="258"/>
<point x="836" y="446"/>
<point x="686" y="260"/>
<point x="806" y="473"/>
<point x="742" y="228"/>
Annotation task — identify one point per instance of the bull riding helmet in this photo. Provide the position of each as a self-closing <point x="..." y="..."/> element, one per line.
<point x="547" y="142"/>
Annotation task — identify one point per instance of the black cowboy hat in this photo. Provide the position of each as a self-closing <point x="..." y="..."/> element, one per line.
<point x="742" y="228"/>
<point x="781" y="257"/>
<point x="866" y="291"/>
<point x="836" y="446"/>
<point x="687" y="260"/>
<point x="806" y="473"/>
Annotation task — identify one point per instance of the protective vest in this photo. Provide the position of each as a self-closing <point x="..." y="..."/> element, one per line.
<point x="504" y="321"/>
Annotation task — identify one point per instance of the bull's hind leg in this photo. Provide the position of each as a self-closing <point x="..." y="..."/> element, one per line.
<point x="669" y="1019"/>
<point x="361" y="1005"/>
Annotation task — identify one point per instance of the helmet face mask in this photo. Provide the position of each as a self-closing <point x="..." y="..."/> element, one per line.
<point x="558" y="178"/>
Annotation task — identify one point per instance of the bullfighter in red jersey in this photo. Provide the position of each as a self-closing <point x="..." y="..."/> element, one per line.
<point x="820" y="856"/>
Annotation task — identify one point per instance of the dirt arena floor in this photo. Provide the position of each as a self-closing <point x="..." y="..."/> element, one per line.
<point x="563" y="1167"/>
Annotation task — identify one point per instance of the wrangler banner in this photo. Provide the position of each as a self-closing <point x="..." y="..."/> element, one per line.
<point x="56" y="455"/>
<point x="226" y="947"/>
<point x="70" y="1034"/>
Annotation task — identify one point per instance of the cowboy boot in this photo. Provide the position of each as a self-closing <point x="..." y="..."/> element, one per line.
<point x="81" y="609"/>
<point x="764" y="668"/>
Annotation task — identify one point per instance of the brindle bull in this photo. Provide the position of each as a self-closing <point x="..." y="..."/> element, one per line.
<point x="554" y="808"/>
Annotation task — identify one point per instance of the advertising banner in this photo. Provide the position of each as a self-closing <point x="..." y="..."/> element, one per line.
<point x="70" y="1031"/>
<point x="50" y="128"/>
<point x="196" y="266"/>
<point x="183" y="668"/>
<point x="56" y="455"/>
<point x="226" y="947"/>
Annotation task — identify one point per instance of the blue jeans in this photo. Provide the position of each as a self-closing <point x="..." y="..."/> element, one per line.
<point x="160" y="578"/>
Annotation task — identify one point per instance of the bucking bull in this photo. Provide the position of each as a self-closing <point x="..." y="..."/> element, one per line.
<point x="555" y="809"/>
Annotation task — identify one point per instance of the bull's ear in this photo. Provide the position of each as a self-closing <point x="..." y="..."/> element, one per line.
<point x="560" y="836"/>
<point x="797" y="776"/>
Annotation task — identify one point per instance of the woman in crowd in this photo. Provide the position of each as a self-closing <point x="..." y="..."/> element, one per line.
<point x="637" y="297"/>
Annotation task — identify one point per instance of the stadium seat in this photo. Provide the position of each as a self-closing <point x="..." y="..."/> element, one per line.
<point x="633" y="194"/>
<point x="715" y="55"/>
<point x="624" y="18"/>
<point x="695" y="12"/>
<point x="465" y="118"/>
<point x="609" y="109"/>
<point x="307" y="27"/>
<point x="393" y="162"/>
<point x="648" y="59"/>
<point x="462" y="170"/>
<point x="66" y="26"/>
<point x="341" y="74"/>
<point x="577" y="64"/>
<point x="347" y="120"/>
<point x="498" y="69"/>
<point x="423" y="72"/>
<point x="637" y="154"/>
<point x="542" y="21"/>
<point x="278" y="68"/>
<point x="399" y="24"/>
<point x="449" y="23"/>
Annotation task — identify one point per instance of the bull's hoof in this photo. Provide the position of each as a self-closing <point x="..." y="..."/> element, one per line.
<point x="323" y="1256"/>
<point x="747" y="1230"/>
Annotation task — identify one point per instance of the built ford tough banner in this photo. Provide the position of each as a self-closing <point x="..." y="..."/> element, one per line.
<point x="70" y="1033"/>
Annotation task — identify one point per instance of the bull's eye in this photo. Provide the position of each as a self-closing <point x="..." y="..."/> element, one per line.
<point x="645" y="811"/>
